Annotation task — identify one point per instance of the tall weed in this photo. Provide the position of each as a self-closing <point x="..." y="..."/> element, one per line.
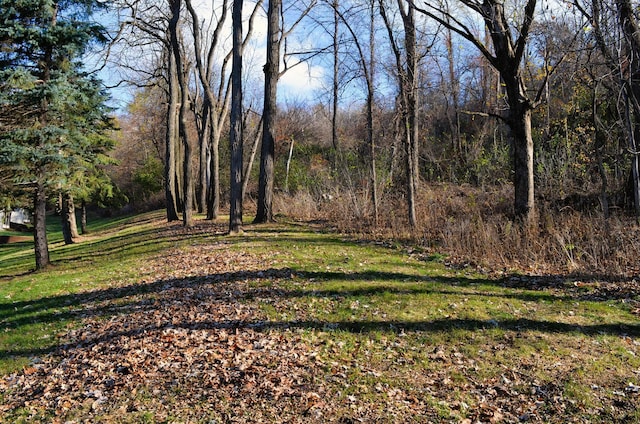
<point x="474" y="226"/>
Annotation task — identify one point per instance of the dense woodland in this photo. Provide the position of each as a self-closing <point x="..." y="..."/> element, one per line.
<point x="504" y="133"/>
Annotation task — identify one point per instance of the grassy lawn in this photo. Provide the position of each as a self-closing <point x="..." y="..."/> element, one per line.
<point x="36" y="307"/>
<point x="291" y="322"/>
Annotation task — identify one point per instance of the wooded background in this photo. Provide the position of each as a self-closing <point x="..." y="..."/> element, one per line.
<point x="525" y="110"/>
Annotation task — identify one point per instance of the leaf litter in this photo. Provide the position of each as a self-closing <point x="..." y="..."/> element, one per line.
<point x="192" y="344"/>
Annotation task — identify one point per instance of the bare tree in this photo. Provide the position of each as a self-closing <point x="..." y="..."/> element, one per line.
<point x="630" y="77"/>
<point x="236" y="130"/>
<point x="183" y="84"/>
<point x="366" y="63"/>
<point x="214" y="80"/>
<point x="506" y="55"/>
<point x="407" y="75"/>
<point x="171" y="140"/>
<point x="142" y="50"/>
<point x="336" y="82"/>
<point x="616" y="38"/>
<point x="269" y="113"/>
<point x="275" y="37"/>
<point x="214" y="108"/>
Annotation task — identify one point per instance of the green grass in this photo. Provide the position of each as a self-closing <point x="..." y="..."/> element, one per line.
<point x="35" y="307"/>
<point x="385" y="320"/>
<point x="369" y="292"/>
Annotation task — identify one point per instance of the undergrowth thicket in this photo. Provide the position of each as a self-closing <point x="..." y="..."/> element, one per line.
<point x="472" y="225"/>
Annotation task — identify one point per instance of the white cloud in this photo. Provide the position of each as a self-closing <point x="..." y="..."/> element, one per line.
<point x="301" y="82"/>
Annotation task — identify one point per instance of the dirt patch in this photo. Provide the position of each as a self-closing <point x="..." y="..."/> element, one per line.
<point x="14" y="239"/>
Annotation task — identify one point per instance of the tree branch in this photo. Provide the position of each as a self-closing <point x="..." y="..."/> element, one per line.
<point x="459" y="28"/>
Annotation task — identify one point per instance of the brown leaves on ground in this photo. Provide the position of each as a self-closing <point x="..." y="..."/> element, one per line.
<point x="193" y="348"/>
<point x="623" y="289"/>
<point x="174" y="351"/>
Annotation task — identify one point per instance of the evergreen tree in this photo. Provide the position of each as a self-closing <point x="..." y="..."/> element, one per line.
<point x="53" y="117"/>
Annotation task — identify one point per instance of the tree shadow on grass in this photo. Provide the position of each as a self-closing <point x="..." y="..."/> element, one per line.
<point x="220" y="290"/>
<point x="118" y="247"/>
<point x="520" y="325"/>
<point x="389" y="283"/>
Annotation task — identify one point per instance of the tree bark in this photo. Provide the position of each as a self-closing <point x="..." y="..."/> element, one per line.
<point x="335" y="94"/>
<point x="213" y="196"/>
<point x="65" y="217"/>
<point x="83" y="217"/>
<point x="369" y="76"/>
<point x="236" y="130"/>
<point x="407" y="93"/>
<point x="170" y="142"/>
<point x="187" y="166"/>
<point x="215" y="110"/>
<point x="288" y="168"/>
<point x="631" y="93"/>
<point x="520" y="126"/>
<point x="181" y="71"/>
<point x="41" y="245"/>
<point x="204" y="159"/>
<point x="252" y="156"/>
<point x="72" y="218"/>
<point x="507" y="61"/>
<point x="68" y="218"/>
<point x="269" y="115"/>
<point x="413" y="168"/>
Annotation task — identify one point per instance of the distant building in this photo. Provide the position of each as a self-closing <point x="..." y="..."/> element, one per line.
<point x="19" y="217"/>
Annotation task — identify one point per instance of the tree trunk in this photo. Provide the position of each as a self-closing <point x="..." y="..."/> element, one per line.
<point x="41" y="245"/>
<point x="83" y="217"/>
<point x="631" y="133"/>
<point x="72" y="218"/>
<point x="506" y="57"/>
<point x="509" y="55"/>
<point x="179" y="162"/>
<point x="631" y="92"/>
<point x="523" y="183"/>
<point x="454" y="86"/>
<point x="410" y="175"/>
<point x="65" y="217"/>
<point x="372" y="155"/>
<point x="170" y="143"/>
<point x="187" y="169"/>
<point x="335" y="93"/>
<point x="252" y="156"/>
<point x="181" y="71"/>
<point x="203" y="169"/>
<point x="408" y="19"/>
<point x="236" y="130"/>
<point x="370" y="99"/>
<point x="215" y="111"/>
<point x="213" y="195"/>
<point x="286" y="177"/>
<point x="407" y="89"/>
<point x="600" y="141"/>
<point x="68" y="218"/>
<point x="269" y="115"/>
